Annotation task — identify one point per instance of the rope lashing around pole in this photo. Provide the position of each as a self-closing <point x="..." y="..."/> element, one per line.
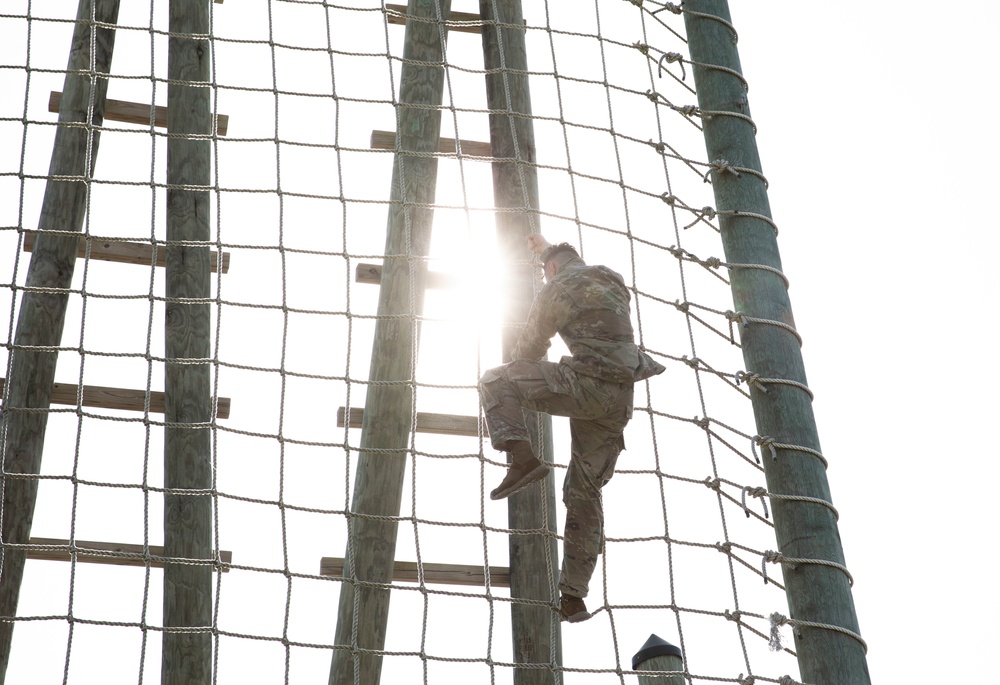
<point x="778" y="620"/>
<point x="761" y="384"/>
<point x="724" y="166"/>
<point x="769" y="443"/>
<point x="747" y="320"/>
<point x="762" y="493"/>
<point x="779" y="558"/>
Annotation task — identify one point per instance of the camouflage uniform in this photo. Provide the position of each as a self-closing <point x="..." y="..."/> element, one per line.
<point x="588" y="306"/>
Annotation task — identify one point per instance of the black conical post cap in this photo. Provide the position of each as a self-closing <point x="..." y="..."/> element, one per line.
<point x="655" y="646"/>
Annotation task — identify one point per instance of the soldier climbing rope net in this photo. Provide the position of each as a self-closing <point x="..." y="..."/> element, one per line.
<point x="310" y="97"/>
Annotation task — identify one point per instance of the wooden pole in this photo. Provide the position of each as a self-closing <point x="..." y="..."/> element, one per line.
<point x="187" y="465"/>
<point x="817" y="592"/>
<point x="43" y="314"/>
<point x="385" y="431"/>
<point x="534" y="559"/>
<point x="659" y="655"/>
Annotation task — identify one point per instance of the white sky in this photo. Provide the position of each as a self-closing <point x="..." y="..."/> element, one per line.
<point x="870" y="136"/>
<point x="876" y="136"/>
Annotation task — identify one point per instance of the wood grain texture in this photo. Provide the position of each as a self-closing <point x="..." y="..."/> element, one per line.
<point x="43" y="314"/>
<point x="123" y="251"/>
<point x="386" y="140"/>
<point x="187" y="518"/>
<point x="433" y="574"/>
<point x="124" y="399"/>
<point x="427" y="422"/>
<point x="136" y="113"/>
<point x="534" y="559"/>
<point x="119" y="553"/>
<point x="385" y="432"/>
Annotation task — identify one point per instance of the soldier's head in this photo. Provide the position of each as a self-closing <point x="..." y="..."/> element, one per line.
<point x="555" y="256"/>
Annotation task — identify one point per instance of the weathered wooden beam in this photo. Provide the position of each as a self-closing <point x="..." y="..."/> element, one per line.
<point x="49" y="277"/>
<point x="118" y="398"/>
<point x="187" y="440"/>
<point x="135" y="113"/>
<point x="386" y="140"/>
<point x="535" y="630"/>
<point x="372" y="274"/>
<point x="86" y="553"/>
<point x="442" y="574"/>
<point x="427" y="422"/>
<point x="125" y="252"/>
<point x="397" y="15"/>
<point x="363" y="610"/>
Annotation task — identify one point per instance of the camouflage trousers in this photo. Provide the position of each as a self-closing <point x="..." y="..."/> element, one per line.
<point x="598" y="412"/>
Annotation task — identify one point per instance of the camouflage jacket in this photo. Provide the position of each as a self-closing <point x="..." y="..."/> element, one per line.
<point x="588" y="306"/>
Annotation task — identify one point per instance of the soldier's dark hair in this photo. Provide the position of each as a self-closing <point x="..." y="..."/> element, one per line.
<point x="552" y="250"/>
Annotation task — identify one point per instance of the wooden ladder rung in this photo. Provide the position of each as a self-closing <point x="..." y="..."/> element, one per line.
<point x="133" y="112"/>
<point x="372" y="274"/>
<point x="111" y="250"/>
<point x="118" y="398"/>
<point x="91" y="552"/>
<point x="444" y="574"/>
<point x="397" y="15"/>
<point x="443" y="424"/>
<point x="386" y="140"/>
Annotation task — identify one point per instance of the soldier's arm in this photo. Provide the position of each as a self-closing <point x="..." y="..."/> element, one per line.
<point x="548" y="314"/>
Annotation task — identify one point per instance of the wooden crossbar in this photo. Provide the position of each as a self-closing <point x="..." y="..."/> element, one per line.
<point x="90" y="552"/>
<point x="397" y="15"/>
<point x="386" y="140"/>
<point x="125" y="252"/>
<point x="133" y="112"/>
<point x="118" y="398"/>
<point x="443" y="574"/>
<point x="372" y="274"/>
<point x="442" y="424"/>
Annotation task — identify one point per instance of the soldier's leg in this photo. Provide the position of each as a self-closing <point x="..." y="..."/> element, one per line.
<point x="595" y="449"/>
<point x="584" y="530"/>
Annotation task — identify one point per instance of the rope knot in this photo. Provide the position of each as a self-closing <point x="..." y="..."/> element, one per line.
<point x="689" y="110"/>
<point x="724" y="547"/>
<point x="653" y="96"/>
<point x="749" y="680"/>
<point x="713" y="262"/>
<point x="721" y="166"/>
<point x="660" y="147"/>
<point x="754" y="492"/>
<point x="713" y="483"/>
<point x="764" y="442"/>
<point x="735" y="317"/>
<point x="788" y="680"/>
<point x="708" y="212"/>
<point x="702" y="423"/>
<point x="669" y="199"/>
<point x="671" y="7"/>
<point x="693" y="362"/>
<point x="670" y="58"/>
<point x="682" y="306"/>
<point x="750" y="379"/>
<point x="733" y="616"/>
<point x="641" y="47"/>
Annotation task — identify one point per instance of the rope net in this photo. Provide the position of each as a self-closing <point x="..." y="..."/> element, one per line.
<point x="299" y="198"/>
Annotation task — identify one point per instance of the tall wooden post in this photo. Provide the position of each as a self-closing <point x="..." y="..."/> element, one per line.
<point x="187" y="534"/>
<point x="43" y="312"/>
<point x="817" y="592"/>
<point x="385" y="430"/>
<point x="534" y="559"/>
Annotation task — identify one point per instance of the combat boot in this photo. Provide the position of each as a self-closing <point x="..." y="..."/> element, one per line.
<point x="525" y="469"/>
<point x="572" y="609"/>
